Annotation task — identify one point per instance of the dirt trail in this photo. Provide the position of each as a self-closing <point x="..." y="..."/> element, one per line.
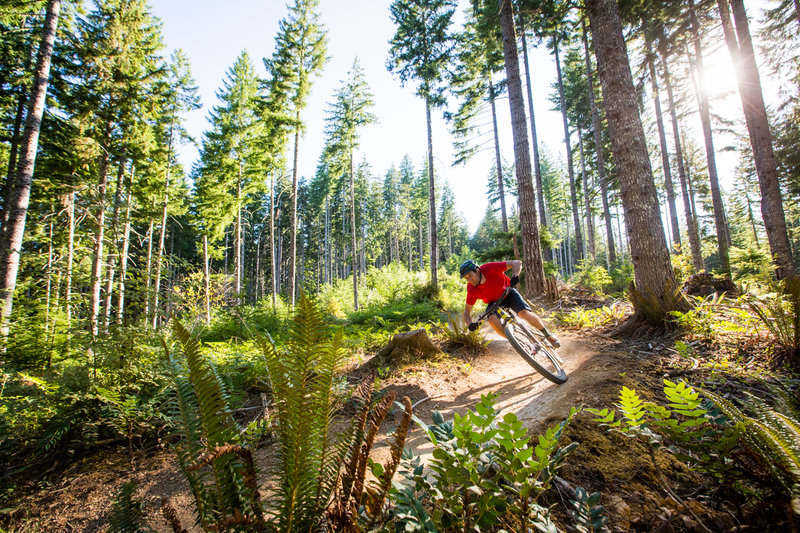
<point x="82" y="500"/>
<point x="520" y="389"/>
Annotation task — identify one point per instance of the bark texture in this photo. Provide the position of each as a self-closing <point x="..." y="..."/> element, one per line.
<point x="531" y="248"/>
<point x="598" y="146"/>
<point x="755" y="114"/>
<point x="19" y="192"/>
<point x="655" y="282"/>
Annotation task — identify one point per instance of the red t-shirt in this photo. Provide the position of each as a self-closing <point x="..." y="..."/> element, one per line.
<point x="496" y="283"/>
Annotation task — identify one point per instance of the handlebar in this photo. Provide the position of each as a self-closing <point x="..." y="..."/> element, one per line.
<point x="490" y="310"/>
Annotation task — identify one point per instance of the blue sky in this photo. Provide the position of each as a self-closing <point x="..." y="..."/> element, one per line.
<point x="213" y="37"/>
<point x="213" y="34"/>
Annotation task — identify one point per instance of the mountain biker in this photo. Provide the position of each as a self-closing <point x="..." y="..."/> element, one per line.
<point x="488" y="282"/>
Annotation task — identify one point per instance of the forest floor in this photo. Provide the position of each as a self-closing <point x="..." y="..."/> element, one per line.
<point x="80" y="498"/>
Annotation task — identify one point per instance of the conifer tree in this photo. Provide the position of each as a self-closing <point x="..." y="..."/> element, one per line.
<point x="300" y="49"/>
<point x="18" y="192"/>
<point x="420" y="49"/>
<point x="348" y="112"/>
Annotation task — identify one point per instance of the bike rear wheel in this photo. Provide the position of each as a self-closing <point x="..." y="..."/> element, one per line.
<point x="535" y="352"/>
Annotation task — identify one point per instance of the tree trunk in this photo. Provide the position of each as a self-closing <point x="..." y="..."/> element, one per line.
<point x="148" y="271"/>
<point x="499" y="164"/>
<point x="237" y="240"/>
<point x="723" y="237"/>
<point x="598" y="146"/>
<point x="353" y="232"/>
<point x="755" y="115"/>
<point x="293" y="220"/>
<point x="694" y="235"/>
<point x="19" y="192"/>
<point x="537" y="169"/>
<point x="97" y="257"/>
<point x="70" y="257"/>
<point x="576" y="221"/>
<point x="432" y="200"/>
<point x="206" y="280"/>
<point x="587" y="199"/>
<point x="531" y="250"/>
<point x="113" y="250"/>
<point x="662" y="137"/>
<point x="126" y="239"/>
<point x="655" y="281"/>
<point x="272" y="242"/>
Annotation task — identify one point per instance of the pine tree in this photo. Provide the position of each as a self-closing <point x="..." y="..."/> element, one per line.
<point x="421" y="49"/>
<point x="531" y="248"/>
<point x="19" y="191"/>
<point x="300" y="50"/>
<point x="655" y="280"/>
<point x="346" y="114"/>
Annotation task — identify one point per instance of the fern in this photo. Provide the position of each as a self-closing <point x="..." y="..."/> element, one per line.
<point x="220" y="476"/>
<point x="781" y="316"/>
<point x="301" y="378"/>
<point x="773" y="436"/>
<point x="126" y="511"/>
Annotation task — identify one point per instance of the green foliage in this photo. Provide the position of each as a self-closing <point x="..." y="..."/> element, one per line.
<point x="587" y="512"/>
<point x="716" y="319"/>
<point x="301" y="378"/>
<point x="751" y="265"/>
<point x="774" y="436"/>
<point x="621" y="277"/>
<point x="126" y="511"/>
<point x="781" y="315"/>
<point x="485" y="473"/>
<point x="715" y="435"/>
<point x="581" y="318"/>
<point x="591" y="277"/>
<point x="222" y="479"/>
<point x="456" y="334"/>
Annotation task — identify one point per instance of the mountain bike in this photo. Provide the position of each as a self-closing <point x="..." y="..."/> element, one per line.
<point x="527" y="341"/>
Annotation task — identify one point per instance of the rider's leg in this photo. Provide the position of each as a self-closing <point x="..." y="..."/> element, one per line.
<point x="533" y="319"/>
<point x="494" y="321"/>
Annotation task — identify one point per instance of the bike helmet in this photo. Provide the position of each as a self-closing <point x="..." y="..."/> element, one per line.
<point x="467" y="266"/>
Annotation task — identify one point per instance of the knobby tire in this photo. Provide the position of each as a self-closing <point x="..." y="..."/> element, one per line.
<point x="535" y="352"/>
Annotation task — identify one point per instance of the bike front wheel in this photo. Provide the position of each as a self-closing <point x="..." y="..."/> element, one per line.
<point x="535" y="351"/>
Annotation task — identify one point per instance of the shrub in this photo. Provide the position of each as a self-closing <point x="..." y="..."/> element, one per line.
<point x="780" y="313"/>
<point x="485" y="473"/>
<point x="591" y="277"/>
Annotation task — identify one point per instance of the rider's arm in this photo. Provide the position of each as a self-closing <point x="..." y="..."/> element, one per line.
<point x="515" y="266"/>
<point x="467" y="314"/>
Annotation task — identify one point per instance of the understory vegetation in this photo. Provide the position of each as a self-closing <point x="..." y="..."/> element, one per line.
<point x="139" y="390"/>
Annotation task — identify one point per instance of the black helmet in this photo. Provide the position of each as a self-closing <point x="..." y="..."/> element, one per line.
<point x="467" y="266"/>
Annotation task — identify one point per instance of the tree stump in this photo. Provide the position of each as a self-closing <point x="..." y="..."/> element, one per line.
<point x="704" y="284"/>
<point x="416" y="343"/>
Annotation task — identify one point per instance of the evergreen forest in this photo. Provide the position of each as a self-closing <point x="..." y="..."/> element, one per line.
<point x="291" y="345"/>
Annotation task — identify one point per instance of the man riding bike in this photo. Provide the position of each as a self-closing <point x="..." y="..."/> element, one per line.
<point x="488" y="282"/>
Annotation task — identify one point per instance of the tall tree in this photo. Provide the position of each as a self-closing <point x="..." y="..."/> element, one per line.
<point x="179" y="94"/>
<point x="655" y="281"/>
<point x="720" y="222"/>
<point x="301" y="46"/>
<point x="348" y="112"/>
<point x="755" y="114"/>
<point x="691" y="225"/>
<point x="662" y="137"/>
<point x="598" y="147"/>
<point x="531" y="247"/>
<point x="562" y="101"/>
<point x="421" y="49"/>
<point x="19" y="191"/>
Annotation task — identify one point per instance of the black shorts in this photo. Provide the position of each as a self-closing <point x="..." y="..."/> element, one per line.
<point x="514" y="301"/>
